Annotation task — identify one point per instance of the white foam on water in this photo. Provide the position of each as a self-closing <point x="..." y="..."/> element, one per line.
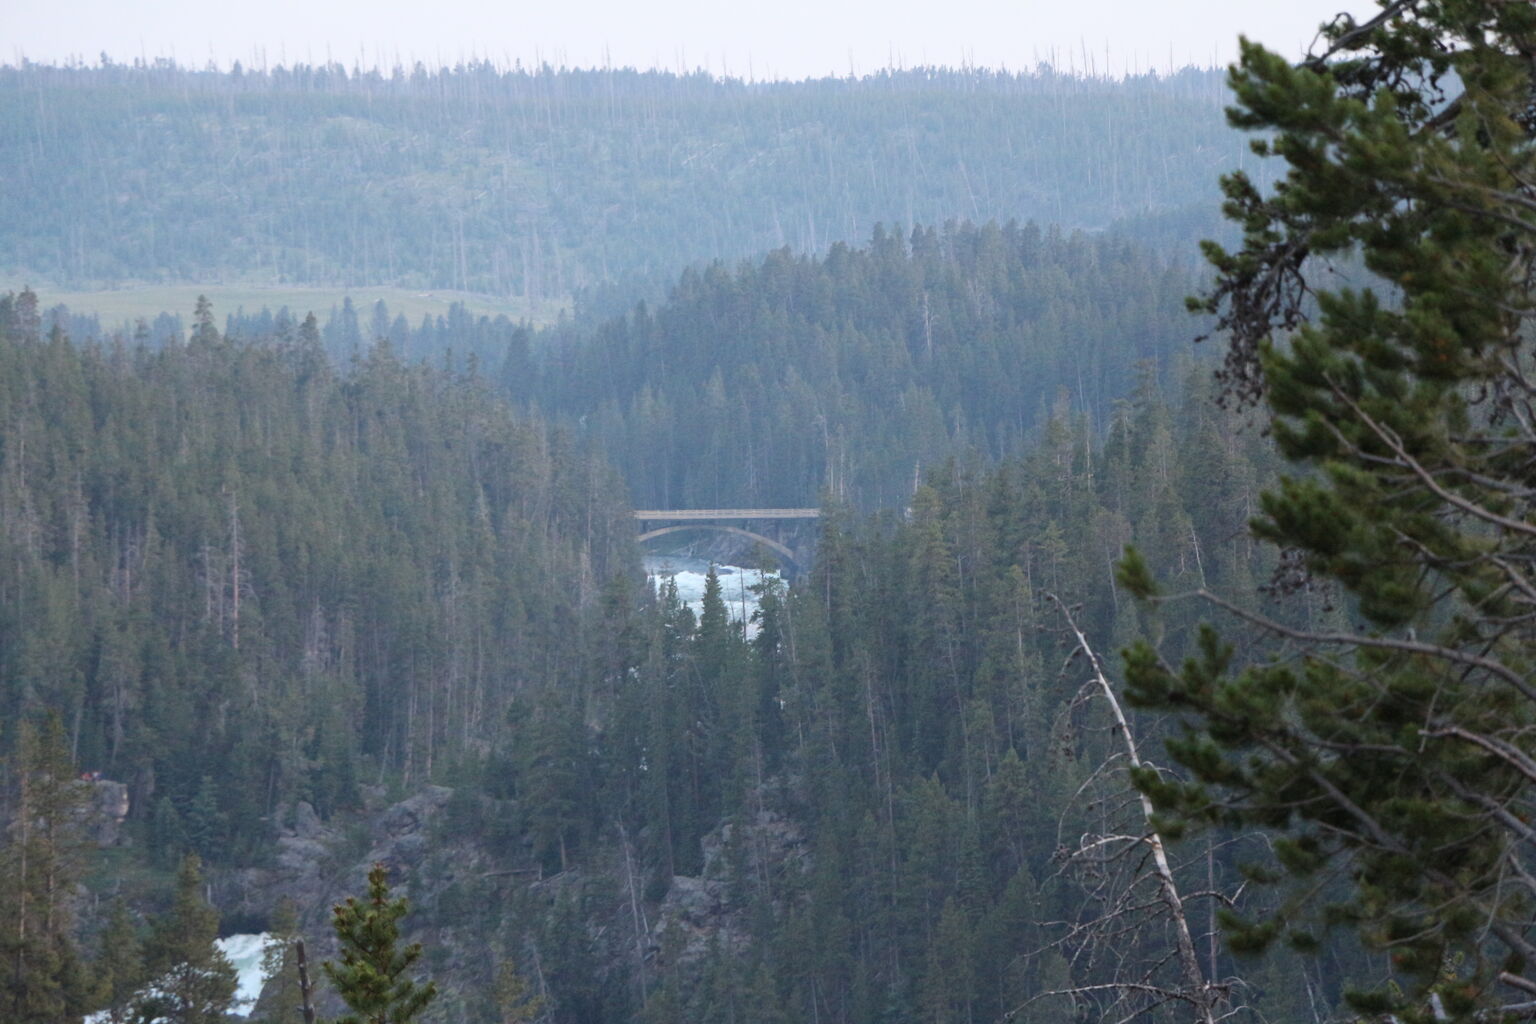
<point x="245" y="952"/>
<point x="691" y="574"/>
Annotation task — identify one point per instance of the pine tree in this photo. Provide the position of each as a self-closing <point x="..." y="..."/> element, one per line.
<point x="555" y="780"/>
<point x="167" y="835"/>
<point x="716" y="705"/>
<point x="205" y="822"/>
<point x="203" y="330"/>
<point x="715" y="646"/>
<point x="119" y="966"/>
<point x="1398" y="753"/>
<point x="194" y="982"/>
<point x="371" y="975"/>
<point x="948" y="985"/>
<point x="41" y="974"/>
<point x="515" y="1004"/>
<point x="282" y="999"/>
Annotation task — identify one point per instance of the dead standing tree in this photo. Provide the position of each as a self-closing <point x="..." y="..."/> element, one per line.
<point x="1134" y="946"/>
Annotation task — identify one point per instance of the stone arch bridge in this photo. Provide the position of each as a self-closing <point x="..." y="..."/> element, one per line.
<point x="759" y="524"/>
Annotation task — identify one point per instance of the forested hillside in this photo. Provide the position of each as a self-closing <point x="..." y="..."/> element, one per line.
<point x="869" y="810"/>
<point x="242" y="579"/>
<point x="242" y="576"/>
<point x="540" y="183"/>
<point x="855" y="371"/>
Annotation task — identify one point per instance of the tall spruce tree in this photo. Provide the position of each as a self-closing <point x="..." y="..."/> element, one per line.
<point x="1396" y="759"/>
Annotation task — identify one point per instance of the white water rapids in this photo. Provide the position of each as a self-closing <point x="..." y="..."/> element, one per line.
<point x="690" y="574"/>
<point x="244" y="951"/>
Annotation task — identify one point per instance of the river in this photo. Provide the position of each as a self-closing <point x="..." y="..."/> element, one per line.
<point x="244" y="951"/>
<point x="690" y="574"/>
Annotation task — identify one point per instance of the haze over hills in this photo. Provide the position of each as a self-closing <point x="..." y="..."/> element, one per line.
<point x="537" y="183"/>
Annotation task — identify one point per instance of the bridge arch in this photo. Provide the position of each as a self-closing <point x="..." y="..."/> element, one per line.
<point x="767" y="542"/>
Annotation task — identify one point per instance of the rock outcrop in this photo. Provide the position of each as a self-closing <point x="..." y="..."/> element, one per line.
<point x="106" y="810"/>
<point x="472" y="906"/>
<point x="707" y="913"/>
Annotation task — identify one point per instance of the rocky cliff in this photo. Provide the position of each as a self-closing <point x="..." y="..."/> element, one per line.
<point x="476" y="904"/>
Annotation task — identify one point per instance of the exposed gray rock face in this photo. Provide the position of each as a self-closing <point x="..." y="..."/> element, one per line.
<point x="306" y="823"/>
<point x="768" y="843"/>
<point x="471" y="905"/>
<point x="318" y="864"/>
<point x="399" y="840"/>
<point x="408" y="816"/>
<point x="693" y="919"/>
<point x="107" y="809"/>
<point x="704" y="913"/>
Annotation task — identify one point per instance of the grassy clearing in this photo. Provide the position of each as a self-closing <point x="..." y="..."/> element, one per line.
<point x="120" y="306"/>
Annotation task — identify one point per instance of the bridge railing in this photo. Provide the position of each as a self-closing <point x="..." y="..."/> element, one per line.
<point x="680" y="514"/>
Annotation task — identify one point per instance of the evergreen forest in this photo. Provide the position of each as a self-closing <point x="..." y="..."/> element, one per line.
<point x="1119" y="677"/>
<point x="242" y="578"/>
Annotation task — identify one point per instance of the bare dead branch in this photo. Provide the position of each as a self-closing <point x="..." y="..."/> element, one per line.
<point x="1197" y="990"/>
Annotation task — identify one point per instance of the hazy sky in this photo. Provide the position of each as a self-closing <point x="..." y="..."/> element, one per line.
<point x="782" y="38"/>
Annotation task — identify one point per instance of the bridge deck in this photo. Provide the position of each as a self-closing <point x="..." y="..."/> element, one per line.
<point x="726" y="513"/>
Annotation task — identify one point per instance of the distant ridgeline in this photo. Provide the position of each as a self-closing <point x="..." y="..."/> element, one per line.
<point x="858" y="371"/>
<point x="548" y="183"/>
